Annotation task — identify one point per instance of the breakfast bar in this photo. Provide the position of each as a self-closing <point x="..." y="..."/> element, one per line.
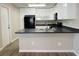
<point x="46" y="40"/>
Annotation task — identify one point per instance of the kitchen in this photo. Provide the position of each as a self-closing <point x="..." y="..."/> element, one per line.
<point x="50" y="27"/>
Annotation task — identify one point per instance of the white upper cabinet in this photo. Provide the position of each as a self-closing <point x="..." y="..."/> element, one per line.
<point x="62" y="11"/>
<point x="42" y="14"/>
<point x="71" y="10"/>
<point x="65" y="11"/>
<point x="30" y="11"/>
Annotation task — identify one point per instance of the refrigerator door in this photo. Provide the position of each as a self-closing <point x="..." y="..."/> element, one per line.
<point x="29" y="21"/>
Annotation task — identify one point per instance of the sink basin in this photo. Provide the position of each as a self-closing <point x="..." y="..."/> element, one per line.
<point x="40" y="30"/>
<point x="45" y="30"/>
<point x="51" y="30"/>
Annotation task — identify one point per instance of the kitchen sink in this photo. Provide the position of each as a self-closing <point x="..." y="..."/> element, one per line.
<point x="45" y="30"/>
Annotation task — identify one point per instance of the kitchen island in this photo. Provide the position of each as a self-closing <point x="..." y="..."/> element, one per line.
<point x="46" y="40"/>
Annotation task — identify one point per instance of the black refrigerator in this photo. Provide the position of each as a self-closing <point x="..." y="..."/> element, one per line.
<point x="29" y="21"/>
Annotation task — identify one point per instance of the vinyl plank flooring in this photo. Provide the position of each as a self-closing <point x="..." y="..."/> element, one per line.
<point x="13" y="50"/>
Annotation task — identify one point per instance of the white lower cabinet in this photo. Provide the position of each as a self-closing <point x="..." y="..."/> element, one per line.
<point x="45" y="42"/>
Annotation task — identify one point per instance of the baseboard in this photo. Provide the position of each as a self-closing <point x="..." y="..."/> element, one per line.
<point x="76" y="53"/>
<point x="2" y="48"/>
<point x="14" y="39"/>
<point x="45" y="50"/>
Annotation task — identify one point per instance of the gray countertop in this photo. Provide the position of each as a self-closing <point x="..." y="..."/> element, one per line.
<point x="63" y="29"/>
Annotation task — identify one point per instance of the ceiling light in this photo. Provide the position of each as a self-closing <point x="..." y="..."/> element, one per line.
<point x="36" y="5"/>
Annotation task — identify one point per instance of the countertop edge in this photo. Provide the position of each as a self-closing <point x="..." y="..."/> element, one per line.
<point x="73" y="30"/>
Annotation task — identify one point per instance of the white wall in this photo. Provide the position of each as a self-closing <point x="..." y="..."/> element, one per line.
<point x="15" y="21"/>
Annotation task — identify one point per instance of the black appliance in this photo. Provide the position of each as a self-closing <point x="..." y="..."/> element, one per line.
<point x="59" y="24"/>
<point x="56" y="16"/>
<point x="29" y="21"/>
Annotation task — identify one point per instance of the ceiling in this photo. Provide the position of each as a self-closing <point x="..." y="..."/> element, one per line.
<point x="25" y="5"/>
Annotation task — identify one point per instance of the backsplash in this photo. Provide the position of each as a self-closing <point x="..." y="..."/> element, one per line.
<point x="47" y="21"/>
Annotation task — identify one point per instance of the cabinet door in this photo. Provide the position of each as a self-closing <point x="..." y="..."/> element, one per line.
<point x="62" y="12"/>
<point x="42" y="14"/>
<point x="66" y="11"/>
<point x="29" y="11"/>
<point x="71" y="8"/>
